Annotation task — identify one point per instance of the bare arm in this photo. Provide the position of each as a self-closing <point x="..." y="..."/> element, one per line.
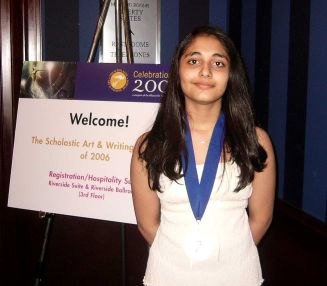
<point x="146" y="201"/>
<point x="261" y="202"/>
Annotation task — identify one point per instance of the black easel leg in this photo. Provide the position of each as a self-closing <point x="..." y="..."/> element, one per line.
<point x="123" y="255"/>
<point x="40" y="270"/>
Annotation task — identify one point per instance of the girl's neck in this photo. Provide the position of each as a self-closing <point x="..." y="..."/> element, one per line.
<point x="202" y="122"/>
<point x="203" y="119"/>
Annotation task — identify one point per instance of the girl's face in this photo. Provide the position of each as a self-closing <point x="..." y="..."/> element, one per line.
<point x="204" y="71"/>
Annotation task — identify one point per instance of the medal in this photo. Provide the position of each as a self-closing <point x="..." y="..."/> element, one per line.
<point x="197" y="246"/>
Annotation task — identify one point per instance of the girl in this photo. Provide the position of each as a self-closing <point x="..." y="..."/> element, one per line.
<point x="203" y="179"/>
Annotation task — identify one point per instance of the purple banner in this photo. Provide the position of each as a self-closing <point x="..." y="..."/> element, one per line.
<point x="121" y="82"/>
<point x="94" y="81"/>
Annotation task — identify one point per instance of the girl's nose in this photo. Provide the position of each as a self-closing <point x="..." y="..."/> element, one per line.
<point x="205" y="71"/>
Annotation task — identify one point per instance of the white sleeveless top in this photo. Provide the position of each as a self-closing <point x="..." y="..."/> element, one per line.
<point x="229" y="256"/>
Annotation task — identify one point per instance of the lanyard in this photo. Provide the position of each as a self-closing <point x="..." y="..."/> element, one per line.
<point x="199" y="193"/>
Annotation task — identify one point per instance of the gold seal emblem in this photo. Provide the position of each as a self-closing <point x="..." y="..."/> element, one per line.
<point x="118" y="80"/>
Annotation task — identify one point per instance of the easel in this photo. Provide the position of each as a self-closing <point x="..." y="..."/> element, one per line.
<point x="121" y="16"/>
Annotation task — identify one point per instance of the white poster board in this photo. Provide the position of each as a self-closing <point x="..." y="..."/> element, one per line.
<point x="72" y="156"/>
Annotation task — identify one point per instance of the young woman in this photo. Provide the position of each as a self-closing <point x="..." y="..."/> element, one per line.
<point x="203" y="179"/>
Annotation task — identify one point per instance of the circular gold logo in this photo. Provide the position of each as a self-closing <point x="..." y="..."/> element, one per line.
<point x="118" y="80"/>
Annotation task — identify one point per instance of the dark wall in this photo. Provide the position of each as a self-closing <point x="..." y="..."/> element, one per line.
<point x="296" y="95"/>
<point x="60" y="30"/>
<point x="314" y="199"/>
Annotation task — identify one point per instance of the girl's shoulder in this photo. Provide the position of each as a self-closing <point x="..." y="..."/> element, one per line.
<point x="264" y="139"/>
<point x="141" y="142"/>
<point x="137" y="163"/>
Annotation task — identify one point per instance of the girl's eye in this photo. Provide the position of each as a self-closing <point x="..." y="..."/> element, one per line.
<point x="219" y="64"/>
<point x="193" y="62"/>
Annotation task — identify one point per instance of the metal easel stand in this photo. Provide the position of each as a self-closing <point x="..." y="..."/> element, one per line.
<point x="121" y="17"/>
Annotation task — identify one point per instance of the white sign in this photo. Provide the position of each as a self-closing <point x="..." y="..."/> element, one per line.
<point x="72" y="156"/>
<point x="144" y="17"/>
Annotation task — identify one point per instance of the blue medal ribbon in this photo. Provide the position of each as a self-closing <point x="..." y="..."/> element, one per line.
<point x="199" y="193"/>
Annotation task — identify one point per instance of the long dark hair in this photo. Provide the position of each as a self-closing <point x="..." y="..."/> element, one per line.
<point x="163" y="146"/>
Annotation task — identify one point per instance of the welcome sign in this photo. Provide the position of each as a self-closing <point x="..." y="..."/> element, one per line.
<point x="75" y="133"/>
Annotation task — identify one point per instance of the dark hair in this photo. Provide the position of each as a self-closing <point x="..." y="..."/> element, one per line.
<point x="162" y="147"/>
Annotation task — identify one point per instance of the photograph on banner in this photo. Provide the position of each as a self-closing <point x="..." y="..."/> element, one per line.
<point x="48" y="80"/>
<point x="72" y="153"/>
<point x="144" y="18"/>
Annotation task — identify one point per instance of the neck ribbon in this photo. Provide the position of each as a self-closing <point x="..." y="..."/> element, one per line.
<point x="199" y="193"/>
